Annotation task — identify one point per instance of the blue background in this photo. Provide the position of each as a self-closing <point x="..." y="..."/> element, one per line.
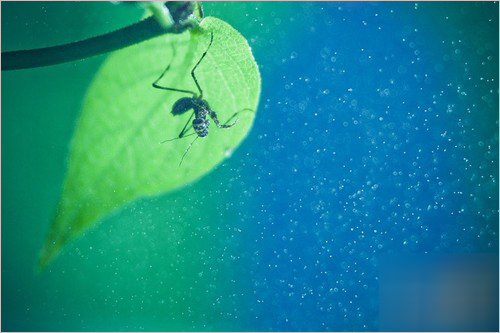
<point x="377" y="132"/>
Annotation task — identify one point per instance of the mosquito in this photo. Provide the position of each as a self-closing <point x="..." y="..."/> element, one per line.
<point x="201" y="108"/>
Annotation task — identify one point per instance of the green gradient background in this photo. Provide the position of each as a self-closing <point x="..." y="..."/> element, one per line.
<point x="160" y="264"/>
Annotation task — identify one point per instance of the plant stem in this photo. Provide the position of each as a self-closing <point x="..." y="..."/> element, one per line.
<point x="115" y="40"/>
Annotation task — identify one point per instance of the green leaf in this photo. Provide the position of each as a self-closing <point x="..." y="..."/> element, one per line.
<point x="116" y="155"/>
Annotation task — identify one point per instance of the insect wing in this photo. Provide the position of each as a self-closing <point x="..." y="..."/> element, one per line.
<point x="182" y="105"/>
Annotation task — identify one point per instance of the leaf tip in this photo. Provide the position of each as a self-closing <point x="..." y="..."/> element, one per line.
<point x="47" y="254"/>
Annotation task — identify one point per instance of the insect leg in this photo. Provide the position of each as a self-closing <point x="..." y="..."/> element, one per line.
<point x="235" y="114"/>
<point x="189" y="147"/>
<point x="186" y="128"/>
<point x="199" y="61"/>
<point x="156" y="85"/>
<point x="213" y="115"/>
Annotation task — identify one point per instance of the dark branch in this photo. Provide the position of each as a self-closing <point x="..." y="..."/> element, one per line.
<point x="115" y="40"/>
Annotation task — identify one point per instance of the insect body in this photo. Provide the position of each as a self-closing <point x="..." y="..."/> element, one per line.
<point x="201" y="108"/>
